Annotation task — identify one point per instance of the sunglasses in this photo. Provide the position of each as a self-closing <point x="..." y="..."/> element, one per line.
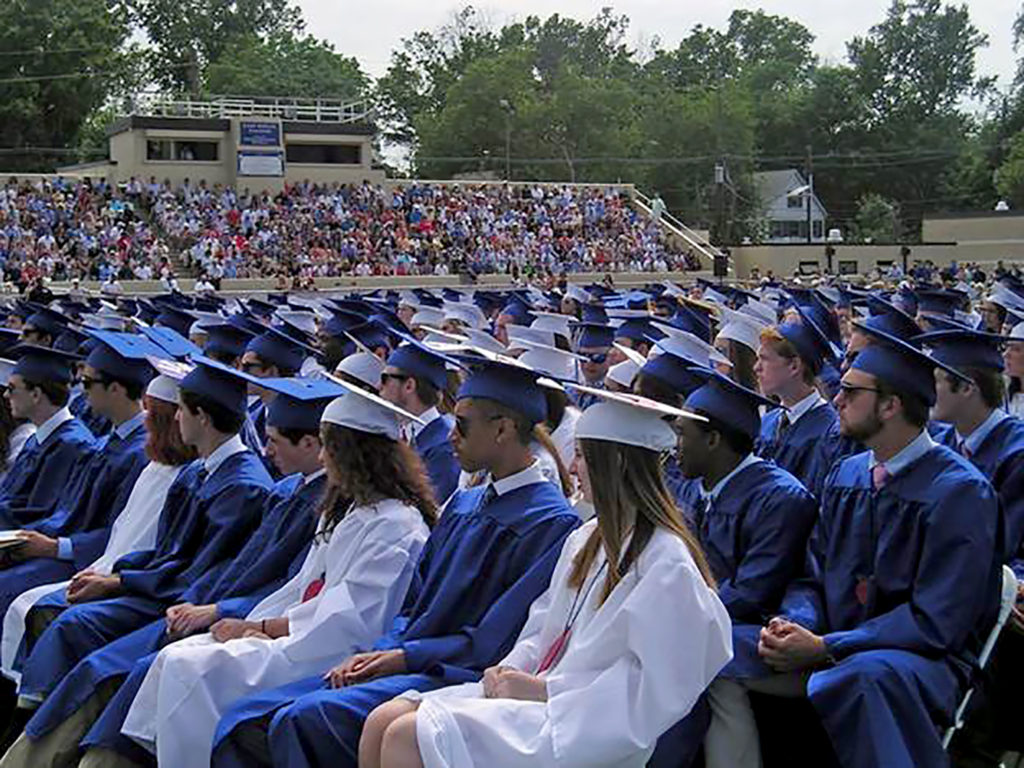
<point x="463" y="423"/>
<point x="849" y="390"/>
<point x="88" y="382"/>
<point x="597" y="358"/>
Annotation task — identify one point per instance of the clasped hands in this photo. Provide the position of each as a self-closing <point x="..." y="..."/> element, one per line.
<point x="785" y="646"/>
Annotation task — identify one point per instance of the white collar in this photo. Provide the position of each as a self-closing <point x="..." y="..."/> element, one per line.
<point x="415" y="427"/>
<point x="307" y="479"/>
<point x="911" y="452"/>
<point x="50" y="426"/>
<point x="224" y="451"/>
<point x="806" y="405"/>
<point x="974" y="440"/>
<point x="532" y="474"/>
<point x="720" y="485"/>
<point x="125" y="428"/>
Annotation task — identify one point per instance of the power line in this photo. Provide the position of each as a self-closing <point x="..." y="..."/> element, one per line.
<point x="51" y="51"/>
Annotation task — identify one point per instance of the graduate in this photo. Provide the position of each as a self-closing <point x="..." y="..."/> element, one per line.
<point x="270" y="556"/>
<point x="802" y="436"/>
<point x="562" y="415"/>
<point x="902" y="577"/>
<point x="272" y="354"/>
<point x="594" y="343"/>
<point x="17" y="431"/>
<point x="611" y="654"/>
<point x="490" y="556"/>
<point x="344" y="597"/>
<point x="38" y="391"/>
<point x="414" y="377"/>
<point x="212" y="508"/>
<point x="752" y="518"/>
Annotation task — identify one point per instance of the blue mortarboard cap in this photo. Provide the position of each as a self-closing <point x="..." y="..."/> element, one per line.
<point x="427" y="299"/>
<point x="48" y="321"/>
<point x="341" y="320"/>
<point x="123" y="355"/>
<point x="175" y="318"/>
<point x="247" y="322"/>
<point x="277" y="298"/>
<point x="673" y="371"/>
<point x="514" y="386"/>
<point x="70" y="339"/>
<point x="940" y="323"/>
<point x="389" y="319"/>
<point x="808" y="339"/>
<point x="220" y="383"/>
<point x="279" y="349"/>
<point x="39" y="364"/>
<point x="171" y="342"/>
<point x="889" y="318"/>
<point x="371" y="335"/>
<point x="900" y="365"/>
<point x="260" y="307"/>
<point x="227" y="340"/>
<point x="300" y="403"/>
<point x="450" y="294"/>
<point x="593" y="335"/>
<point x="686" y="319"/>
<point x="9" y="338"/>
<point x="639" y="329"/>
<point x="965" y="348"/>
<point x="727" y="402"/>
<point x="518" y="311"/>
<point x="939" y="302"/>
<point x="594" y="313"/>
<point x="488" y="301"/>
<point x="418" y="360"/>
<point x="23" y="309"/>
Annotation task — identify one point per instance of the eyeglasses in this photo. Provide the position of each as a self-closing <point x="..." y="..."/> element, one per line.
<point x="849" y="390"/>
<point x="384" y="377"/>
<point x="597" y="358"/>
<point x="462" y="423"/>
<point x="88" y="382"/>
<point x="250" y="367"/>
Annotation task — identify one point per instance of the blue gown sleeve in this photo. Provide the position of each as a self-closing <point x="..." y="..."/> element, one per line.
<point x="1010" y="484"/>
<point x="456" y="655"/>
<point x="804" y="601"/>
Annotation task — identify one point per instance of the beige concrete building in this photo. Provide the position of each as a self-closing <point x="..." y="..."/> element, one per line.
<point x="246" y="143"/>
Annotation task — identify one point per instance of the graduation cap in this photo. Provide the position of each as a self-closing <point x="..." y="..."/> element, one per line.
<point x="465" y="313"/>
<point x="427" y="316"/>
<point x="450" y="294"/>
<point x="176" y="319"/>
<point x="70" y="339"/>
<point x="247" y="323"/>
<point x="520" y="333"/>
<point x="512" y="385"/>
<point x="301" y="402"/>
<point x="482" y="340"/>
<point x="488" y="301"/>
<point x="742" y="328"/>
<point x="366" y="412"/>
<point x="553" y="322"/>
<point x="341" y="320"/>
<point x="672" y="371"/>
<point x="371" y="335"/>
<point x="578" y="294"/>
<point x="939" y="302"/>
<point x="279" y="349"/>
<point x="550" y="361"/>
<point x="689" y="347"/>
<point x="6" y="369"/>
<point x="727" y="402"/>
<point x="888" y="318"/>
<point x="227" y="340"/>
<point x="761" y="310"/>
<point x="427" y="299"/>
<point x="900" y="365"/>
<point x="639" y="329"/>
<point x="517" y="309"/>
<point x="421" y="361"/>
<point x="222" y="384"/>
<point x="965" y="348"/>
<point x="123" y="355"/>
<point x="593" y="335"/>
<point x="363" y="366"/>
<point x="9" y="338"/>
<point x="48" y="321"/>
<point x="170" y="341"/>
<point x="628" y="419"/>
<point x="594" y="313"/>
<point x="261" y="308"/>
<point x="39" y="364"/>
<point x="808" y="340"/>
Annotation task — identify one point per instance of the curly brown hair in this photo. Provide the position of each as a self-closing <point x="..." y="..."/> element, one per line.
<point x="163" y="438"/>
<point x="372" y="468"/>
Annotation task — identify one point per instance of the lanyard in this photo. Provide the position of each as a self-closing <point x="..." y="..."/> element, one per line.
<point x="557" y="648"/>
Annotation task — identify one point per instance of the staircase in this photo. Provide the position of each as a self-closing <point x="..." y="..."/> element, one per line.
<point x="682" y="233"/>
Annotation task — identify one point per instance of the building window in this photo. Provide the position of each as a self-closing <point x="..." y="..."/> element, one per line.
<point x="204" y="151"/>
<point x="848" y="267"/>
<point x="158" y="149"/>
<point x="324" y="154"/>
<point x="818" y="228"/>
<point x="795" y="201"/>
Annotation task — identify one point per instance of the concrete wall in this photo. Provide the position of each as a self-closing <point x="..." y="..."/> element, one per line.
<point x="784" y="260"/>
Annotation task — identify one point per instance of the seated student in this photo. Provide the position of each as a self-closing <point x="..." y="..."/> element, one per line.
<point x="611" y="654"/>
<point x="346" y="594"/>
<point x="593" y="342"/>
<point x="272" y="354"/>
<point x="752" y="519"/>
<point x="902" y="577"/>
<point x="136" y="525"/>
<point x="264" y="563"/>
<point x="993" y="441"/>
<point x="14" y="433"/>
<point x="38" y="391"/>
<point x="489" y="557"/>
<point x="215" y="509"/>
<point x="802" y="436"/>
<point x="414" y="377"/>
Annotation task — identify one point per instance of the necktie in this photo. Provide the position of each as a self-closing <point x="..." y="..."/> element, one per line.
<point x="783" y="425"/>
<point x="964" y="450"/>
<point x="879" y="476"/>
<point x="489" y="495"/>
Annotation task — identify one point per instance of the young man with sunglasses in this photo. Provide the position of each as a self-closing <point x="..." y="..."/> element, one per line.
<point x="593" y="342"/>
<point x="413" y="379"/>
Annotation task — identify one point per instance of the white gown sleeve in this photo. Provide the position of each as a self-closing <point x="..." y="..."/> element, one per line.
<point x="678" y="637"/>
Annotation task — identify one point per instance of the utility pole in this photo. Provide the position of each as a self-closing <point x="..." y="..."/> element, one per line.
<point x="509" y="109"/>
<point x="810" y="192"/>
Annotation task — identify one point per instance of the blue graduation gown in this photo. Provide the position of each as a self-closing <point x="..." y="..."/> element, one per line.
<point x="807" y="449"/>
<point x="271" y="556"/>
<point x="38" y="477"/>
<point x="196" y="542"/>
<point x="477" y="576"/>
<point x="438" y="455"/>
<point x="903" y="584"/>
<point x="79" y="406"/>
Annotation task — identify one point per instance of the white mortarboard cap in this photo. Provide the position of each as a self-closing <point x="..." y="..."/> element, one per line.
<point x="408" y="298"/>
<point x="550" y="321"/>
<point x="622" y="417"/>
<point x="437" y="336"/>
<point x="483" y="340"/>
<point x="366" y="412"/>
<point x="672" y="289"/>
<point x="761" y="310"/>
<point x="6" y="368"/>
<point x="427" y="316"/>
<point x="304" y="321"/>
<point x="1005" y="298"/>
<point x="464" y="312"/>
<point x="364" y="366"/>
<point x="520" y="333"/>
<point x="197" y="329"/>
<point x="163" y="388"/>
<point x="742" y="328"/>
<point x="710" y="294"/>
<point x="689" y="347"/>
<point x="623" y="373"/>
<point x="631" y="354"/>
<point x="576" y="293"/>
<point x="550" y="360"/>
<point x="1018" y="332"/>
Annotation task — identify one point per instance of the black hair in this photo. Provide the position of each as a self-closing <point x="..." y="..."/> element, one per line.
<point x="915" y="410"/>
<point x="738" y="442"/>
<point x="133" y="390"/>
<point x="988" y="381"/>
<point x="223" y="419"/>
<point x="295" y="434"/>
<point x="57" y="392"/>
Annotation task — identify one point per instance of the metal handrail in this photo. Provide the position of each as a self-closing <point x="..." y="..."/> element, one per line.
<point x="317" y="110"/>
<point x="678" y="228"/>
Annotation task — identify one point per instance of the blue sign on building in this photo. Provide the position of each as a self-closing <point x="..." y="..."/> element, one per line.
<point x="253" y="134"/>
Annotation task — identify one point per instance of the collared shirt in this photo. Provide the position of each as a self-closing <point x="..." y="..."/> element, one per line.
<point x="806" y="405"/>
<point x="307" y="479"/>
<point x="125" y="428"/>
<point x="710" y="496"/>
<point x="50" y="426"/>
<point x="974" y="440"/>
<point x="528" y="476"/>
<point x="224" y="451"/>
<point x="913" y="450"/>
<point x="414" y="427"/>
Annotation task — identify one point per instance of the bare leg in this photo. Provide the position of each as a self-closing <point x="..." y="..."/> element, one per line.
<point x="399" y="748"/>
<point x="376" y="724"/>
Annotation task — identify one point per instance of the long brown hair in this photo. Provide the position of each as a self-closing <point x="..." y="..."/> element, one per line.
<point x="163" y="439"/>
<point x="629" y="494"/>
<point x="542" y="436"/>
<point x="372" y="468"/>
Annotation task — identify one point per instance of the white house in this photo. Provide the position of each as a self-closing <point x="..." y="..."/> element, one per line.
<point x="783" y="199"/>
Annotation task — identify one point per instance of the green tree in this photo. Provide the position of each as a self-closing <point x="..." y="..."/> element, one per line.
<point x="877" y="219"/>
<point x="63" y="59"/>
<point x="1010" y="175"/>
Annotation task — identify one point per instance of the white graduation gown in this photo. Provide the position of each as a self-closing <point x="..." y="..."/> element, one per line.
<point x="134" y="529"/>
<point x="17" y="441"/>
<point x="564" y="437"/>
<point x="367" y="565"/>
<point x="633" y="668"/>
<point x="1016" y="405"/>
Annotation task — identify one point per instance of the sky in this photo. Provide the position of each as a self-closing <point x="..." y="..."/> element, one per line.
<point x="371" y="30"/>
